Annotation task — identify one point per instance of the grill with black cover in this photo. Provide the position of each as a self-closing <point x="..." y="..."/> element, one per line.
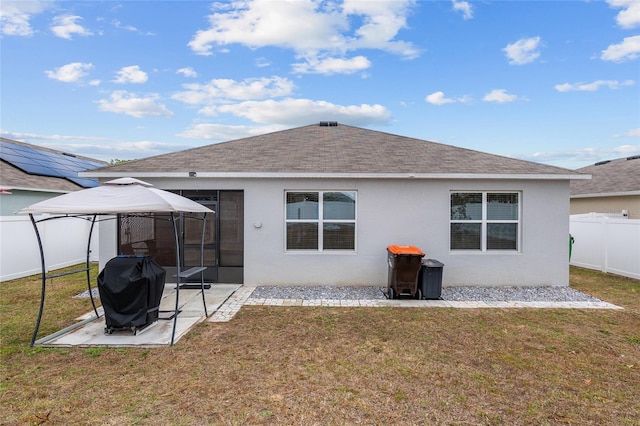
<point x="130" y="290"/>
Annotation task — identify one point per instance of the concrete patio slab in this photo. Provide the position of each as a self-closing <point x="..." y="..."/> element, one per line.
<point x="92" y="332"/>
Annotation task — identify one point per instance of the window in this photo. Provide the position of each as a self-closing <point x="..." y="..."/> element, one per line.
<point x="321" y="220"/>
<point x="485" y="221"/>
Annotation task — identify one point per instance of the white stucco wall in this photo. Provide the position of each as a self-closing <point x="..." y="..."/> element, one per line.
<point x="412" y="213"/>
<point x="408" y="211"/>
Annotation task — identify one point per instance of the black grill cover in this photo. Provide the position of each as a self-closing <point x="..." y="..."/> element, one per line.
<point x="130" y="290"/>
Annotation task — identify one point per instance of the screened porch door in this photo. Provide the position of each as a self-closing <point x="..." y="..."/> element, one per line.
<point x="191" y="239"/>
<point x="153" y="235"/>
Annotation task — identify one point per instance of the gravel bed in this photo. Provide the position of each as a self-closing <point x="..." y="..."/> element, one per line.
<point x="488" y="294"/>
<point x="318" y="292"/>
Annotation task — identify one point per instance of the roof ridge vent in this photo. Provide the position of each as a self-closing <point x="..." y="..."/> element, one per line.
<point x="633" y="157"/>
<point x="600" y="163"/>
<point x="328" y="124"/>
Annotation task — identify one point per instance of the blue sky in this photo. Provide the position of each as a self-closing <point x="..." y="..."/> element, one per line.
<point x="555" y="82"/>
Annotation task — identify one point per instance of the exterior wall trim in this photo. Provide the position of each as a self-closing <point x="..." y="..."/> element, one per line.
<point x="236" y="175"/>
<point x="606" y="194"/>
<point x="24" y="188"/>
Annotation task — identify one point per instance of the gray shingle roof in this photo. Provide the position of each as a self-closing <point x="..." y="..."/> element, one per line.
<point x="340" y="149"/>
<point x="12" y="177"/>
<point x="613" y="177"/>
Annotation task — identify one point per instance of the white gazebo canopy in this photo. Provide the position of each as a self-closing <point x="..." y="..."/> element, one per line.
<point x="124" y="195"/>
<point x="119" y="196"/>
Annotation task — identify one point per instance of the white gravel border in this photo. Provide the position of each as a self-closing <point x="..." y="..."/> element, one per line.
<point x="285" y="296"/>
<point x="466" y="294"/>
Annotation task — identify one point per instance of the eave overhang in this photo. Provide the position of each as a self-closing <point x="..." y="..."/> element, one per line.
<point x="292" y="175"/>
<point x="607" y="194"/>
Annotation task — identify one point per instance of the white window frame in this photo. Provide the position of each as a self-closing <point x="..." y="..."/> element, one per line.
<point x="485" y="221"/>
<point x="321" y="222"/>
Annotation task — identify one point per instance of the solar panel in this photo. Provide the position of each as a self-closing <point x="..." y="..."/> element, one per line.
<point x="44" y="163"/>
<point x="11" y="156"/>
<point x="37" y="169"/>
<point x="16" y="147"/>
<point x="84" y="182"/>
<point x="31" y="166"/>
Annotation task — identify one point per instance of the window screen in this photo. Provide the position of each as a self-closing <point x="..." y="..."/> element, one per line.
<point x="485" y="221"/>
<point x="320" y="220"/>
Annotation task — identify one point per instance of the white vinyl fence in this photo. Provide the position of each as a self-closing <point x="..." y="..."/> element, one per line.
<point x="608" y="244"/>
<point x="64" y="241"/>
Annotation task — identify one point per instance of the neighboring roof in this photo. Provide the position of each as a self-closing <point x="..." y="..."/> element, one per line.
<point x="331" y="150"/>
<point x="609" y="178"/>
<point x="14" y="177"/>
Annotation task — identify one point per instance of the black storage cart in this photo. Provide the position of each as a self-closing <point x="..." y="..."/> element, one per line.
<point x="404" y="266"/>
<point x="430" y="279"/>
<point x="130" y="289"/>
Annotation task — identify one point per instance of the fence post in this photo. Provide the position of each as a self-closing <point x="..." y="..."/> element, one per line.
<point x="605" y="260"/>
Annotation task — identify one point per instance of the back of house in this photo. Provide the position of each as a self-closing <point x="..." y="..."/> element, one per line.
<point x="319" y="204"/>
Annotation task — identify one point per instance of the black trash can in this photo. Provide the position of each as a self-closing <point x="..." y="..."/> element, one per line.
<point x="404" y="266"/>
<point x="130" y="289"/>
<point x="430" y="279"/>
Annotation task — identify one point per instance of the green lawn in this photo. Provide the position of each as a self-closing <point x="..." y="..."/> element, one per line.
<point x="325" y="366"/>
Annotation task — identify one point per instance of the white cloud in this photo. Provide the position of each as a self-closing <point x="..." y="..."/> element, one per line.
<point x="330" y="66"/>
<point x="630" y="16"/>
<point x="464" y="7"/>
<point x="70" y="73"/>
<point x="499" y="95"/>
<point x="626" y="150"/>
<point x="382" y="20"/>
<point x="308" y="27"/>
<point x="523" y="51"/>
<point x="581" y="157"/>
<point x="131" y="74"/>
<point x="99" y="148"/>
<point x="127" y="150"/>
<point x="65" y="26"/>
<point x="294" y="112"/>
<point x="119" y="25"/>
<point x="27" y="136"/>
<point x="627" y="50"/>
<point x="221" y="90"/>
<point x="633" y="133"/>
<point x="592" y="87"/>
<point x="296" y="25"/>
<point x="123" y="150"/>
<point x="123" y="102"/>
<point x="438" y="98"/>
<point x="187" y="72"/>
<point x="220" y="132"/>
<point x="15" y="16"/>
<point x="262" y="62"/>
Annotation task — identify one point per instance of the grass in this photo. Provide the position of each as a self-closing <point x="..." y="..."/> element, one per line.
<point x="303" y="365"/>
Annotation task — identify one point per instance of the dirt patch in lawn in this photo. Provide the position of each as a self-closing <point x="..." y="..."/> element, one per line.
<point x="302" y="365"/>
